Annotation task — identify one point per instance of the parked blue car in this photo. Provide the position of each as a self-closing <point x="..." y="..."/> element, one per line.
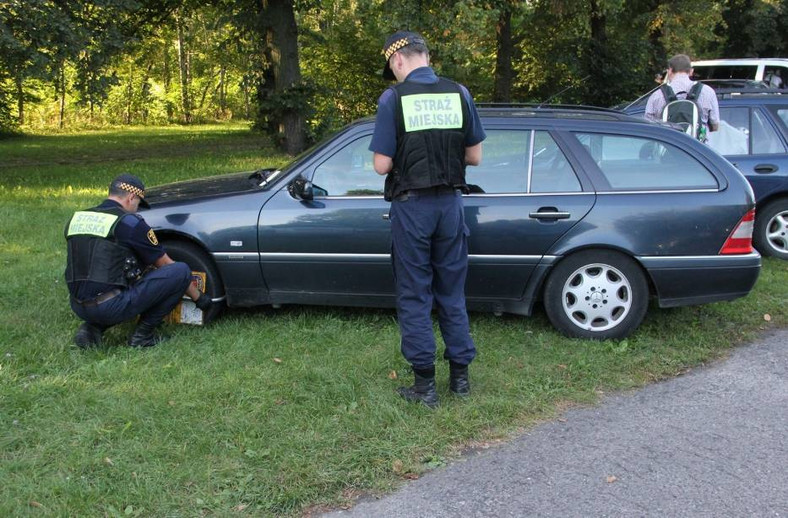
<point x="588" y="212"/>
<point x="754" y="137"/>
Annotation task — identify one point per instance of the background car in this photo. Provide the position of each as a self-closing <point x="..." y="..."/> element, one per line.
<point x="590" y="212"/>
<point x="754" y="137"/>
<point x="758" y="69"/>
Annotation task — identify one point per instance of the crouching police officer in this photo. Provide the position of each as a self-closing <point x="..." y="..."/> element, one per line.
<point x="426" y="131"/>
<point x="109" y="248"/>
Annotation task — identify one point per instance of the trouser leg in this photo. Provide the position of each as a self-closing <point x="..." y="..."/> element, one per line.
<point x="159" y="291"/>
<point x="411" y="228"/>
<point x="152" y="297"/>
<point x="450" y="267"/>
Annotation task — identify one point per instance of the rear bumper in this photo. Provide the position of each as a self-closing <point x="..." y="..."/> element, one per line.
<point x="690" y="280"/>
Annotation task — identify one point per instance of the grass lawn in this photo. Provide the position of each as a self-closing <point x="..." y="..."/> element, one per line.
<point x="265" y="412"/>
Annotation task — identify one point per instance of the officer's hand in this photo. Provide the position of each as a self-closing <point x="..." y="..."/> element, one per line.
<point x="204" y="302"/>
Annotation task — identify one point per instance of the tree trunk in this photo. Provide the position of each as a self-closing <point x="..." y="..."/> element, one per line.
<point x="502" y="88"/>
<point x="129" y="94"/>
<point x="183" y="62"/>
<point x="282" y="72"/>
<point x="597" y="22"/>
<point x="90" y="96"/>
<point x="62" y="93"/>
<point x="597" y="61"/>
<point x="167" y="80"/>
<point x="205" y="92"/>
<point x="247" y="110"/>
<point x="20" y="98"/>
<point x="222" y="91"/>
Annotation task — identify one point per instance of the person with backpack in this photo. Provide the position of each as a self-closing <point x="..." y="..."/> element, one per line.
<point x="690" y="104"/>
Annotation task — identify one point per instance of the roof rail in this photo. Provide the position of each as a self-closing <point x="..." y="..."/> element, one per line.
<point x="559" y="111"/>
<point x="542" y="106"/>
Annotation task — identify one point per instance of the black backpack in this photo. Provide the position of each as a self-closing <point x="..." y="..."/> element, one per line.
<point x="685" y="111"/>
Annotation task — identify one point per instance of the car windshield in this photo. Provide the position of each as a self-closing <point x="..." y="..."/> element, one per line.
<point x="271" y="178"/>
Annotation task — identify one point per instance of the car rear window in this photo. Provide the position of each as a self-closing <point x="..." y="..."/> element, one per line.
<point x="637" y="163"/>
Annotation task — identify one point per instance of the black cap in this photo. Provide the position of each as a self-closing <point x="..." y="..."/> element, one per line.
<point x="396" y="41"/>
<point x="130" y="183"/>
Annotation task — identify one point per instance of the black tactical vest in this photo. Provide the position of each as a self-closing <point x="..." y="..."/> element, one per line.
<point x="432" y="120"/>
<point x="93" y="252"/>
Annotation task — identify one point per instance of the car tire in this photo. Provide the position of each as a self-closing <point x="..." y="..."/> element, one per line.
<point x="199" y="261"/>
<point x="597" y="294"/>
<point x="770" y="235"/>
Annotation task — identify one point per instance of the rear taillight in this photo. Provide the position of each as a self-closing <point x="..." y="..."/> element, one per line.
<point x="740" y="240"/>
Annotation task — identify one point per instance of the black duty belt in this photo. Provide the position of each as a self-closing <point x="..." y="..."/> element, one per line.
<point x="100" y="298"/>
<point x="438" y="189"/>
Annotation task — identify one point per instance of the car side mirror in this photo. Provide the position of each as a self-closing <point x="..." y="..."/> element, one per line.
<point x="301" y="189"/>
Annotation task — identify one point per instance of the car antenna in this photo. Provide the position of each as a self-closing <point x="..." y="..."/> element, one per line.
<point x="642" y="96"/>
<point x="562" y="91"/>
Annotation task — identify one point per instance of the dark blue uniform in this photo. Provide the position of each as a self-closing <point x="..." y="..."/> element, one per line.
<point x="152" y="297"/>
<point x="429" y="246"/>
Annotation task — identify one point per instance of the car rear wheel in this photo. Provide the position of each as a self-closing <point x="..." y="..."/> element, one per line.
<point x="771" y="229"/>
<point x="199" y="261"/>
<point x="596" y="294"/>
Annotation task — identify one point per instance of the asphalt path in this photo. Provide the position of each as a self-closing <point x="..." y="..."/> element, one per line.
<point x="711" y="443"/>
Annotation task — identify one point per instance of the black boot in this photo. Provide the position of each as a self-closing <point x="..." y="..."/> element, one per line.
<point x="145" y="335"/>
<point x="88" y="335"/>
<point x="458" y="379"/>
<point x="423" y="389"/>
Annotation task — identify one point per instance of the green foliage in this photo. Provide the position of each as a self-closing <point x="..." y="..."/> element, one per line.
<point x="266" y="412"/>
<point x="117" y="61"/>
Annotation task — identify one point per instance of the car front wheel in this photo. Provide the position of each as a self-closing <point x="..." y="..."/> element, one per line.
<point x="771" y="229"/>
<point x="597" y="294"/>
<point x="199" y="261"/>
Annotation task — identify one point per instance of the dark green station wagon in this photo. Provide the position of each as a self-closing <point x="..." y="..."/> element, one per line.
<point x="591" y="213"/>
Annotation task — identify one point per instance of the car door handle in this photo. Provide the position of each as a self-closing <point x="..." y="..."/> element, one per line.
<point x="549" y="213"/>
<point x="765" y="168"/>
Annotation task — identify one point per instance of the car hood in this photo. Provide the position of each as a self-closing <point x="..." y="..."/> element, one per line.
<point x="188" y="190"/>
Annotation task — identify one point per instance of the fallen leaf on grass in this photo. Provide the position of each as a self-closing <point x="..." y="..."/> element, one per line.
<point x="767" y="317"/>
<point x="611" y="478"/>
<point x="561" y="366"/>
<point x="33" y="503"/>
<point x="411" y="476"/>
<point x="240" y="507"/>
<point x="277" y="360"/>
<point x="393" y="375"/>
<point x="108" y="461"/>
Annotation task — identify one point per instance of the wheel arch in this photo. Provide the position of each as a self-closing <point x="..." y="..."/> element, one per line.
<point x="652" y="288"/>
<point x="166" y="236"/>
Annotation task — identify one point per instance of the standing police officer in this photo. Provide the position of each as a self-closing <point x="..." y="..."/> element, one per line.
<point x="109" y="247"/>
<point x="426" y="131"/>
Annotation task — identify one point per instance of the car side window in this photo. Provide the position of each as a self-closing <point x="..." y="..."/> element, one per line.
<point x="350" y="171"/>
<point x="733" y="135"/>
<point x="550" y="170"/>
<point x="504" y="166"/>
<point x="764" y="138"/>
<point x="782" y="113"/>
<point x="637" y="163"/>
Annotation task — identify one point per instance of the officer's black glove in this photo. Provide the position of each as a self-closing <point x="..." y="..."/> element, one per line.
<point x="204" y="302"/>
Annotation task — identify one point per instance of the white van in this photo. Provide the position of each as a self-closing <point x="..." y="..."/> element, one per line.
<point x="773" y="71"/>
